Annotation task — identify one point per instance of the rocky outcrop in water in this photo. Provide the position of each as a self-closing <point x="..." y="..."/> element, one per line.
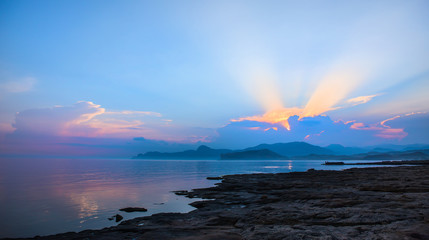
<point x="133" y="209"/>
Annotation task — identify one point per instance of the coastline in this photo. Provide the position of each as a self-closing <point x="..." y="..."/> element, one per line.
<point x="357" y="203"/>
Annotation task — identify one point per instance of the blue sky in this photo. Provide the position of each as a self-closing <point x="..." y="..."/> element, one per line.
<point x="183" y="70"/>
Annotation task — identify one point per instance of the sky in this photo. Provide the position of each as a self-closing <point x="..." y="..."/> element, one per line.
<point x="115" y="78"/>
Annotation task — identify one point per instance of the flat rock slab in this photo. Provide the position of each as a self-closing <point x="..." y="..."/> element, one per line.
<point x="359" y="203"/>
<point x="133" y="209"/>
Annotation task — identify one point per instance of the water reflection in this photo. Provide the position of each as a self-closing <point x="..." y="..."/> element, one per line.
<point x="287" y="165"/>
<point x="87" y="206"/>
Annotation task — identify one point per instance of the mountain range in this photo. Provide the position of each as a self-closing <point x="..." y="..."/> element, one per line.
<point x="299" y="150"/>
<point x="202" y="152"/>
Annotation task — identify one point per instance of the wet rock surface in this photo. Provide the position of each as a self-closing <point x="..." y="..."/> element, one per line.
<point x="133" y="209"/>
<point x="364" y="203"/>
<point x="116" y="217"/>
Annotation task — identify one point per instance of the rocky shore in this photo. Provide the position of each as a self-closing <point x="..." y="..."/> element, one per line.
<point x="358" y="203"/>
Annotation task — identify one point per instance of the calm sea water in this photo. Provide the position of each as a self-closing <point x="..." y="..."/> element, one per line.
<point x="47" y="196"/>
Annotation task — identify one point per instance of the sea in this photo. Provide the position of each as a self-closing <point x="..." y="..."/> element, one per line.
<point x="43" y="196"/>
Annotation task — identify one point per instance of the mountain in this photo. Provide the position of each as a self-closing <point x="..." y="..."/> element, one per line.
<point x="202" y="152"/>
<point x="397" y="155"/>
<point x="260" y="154"/>
<point x="341" y="150"/>
<point x="300" y="150"/>
<point x="422" y="154"/>
<point x="416" y="147"/>
<point x="292" y="149"/>
<point x="394" y="147"/>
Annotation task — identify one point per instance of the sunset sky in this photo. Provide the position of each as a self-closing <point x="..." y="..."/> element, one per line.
<point x="123" y="77"/>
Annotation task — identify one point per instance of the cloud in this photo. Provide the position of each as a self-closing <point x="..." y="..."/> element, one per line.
<point x="361" y="99"/>
<point x="415" y="125"/>
<point x="373" y="51"/>
<point x="135" y="113"/>
<point x="412" y="128"/>
<point x="86" y="119"/>
<point x="275" y="116"/>
<point x="321" y="130"/>
<point x="247" y="133"/>
<point x="381" y="130"/>
<point x="281" y="115"/>
<point x="86" y="128"/>
<point x="19" y="85"/>
<point x="5" y="128"/>
<point x="61" y="121"/>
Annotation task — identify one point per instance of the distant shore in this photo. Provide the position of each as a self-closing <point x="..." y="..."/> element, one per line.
<point x="403" y="162"/>
<point x="357" y="203"/>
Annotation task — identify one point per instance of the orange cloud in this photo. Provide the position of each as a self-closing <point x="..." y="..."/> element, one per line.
<point x="276" y="116"/>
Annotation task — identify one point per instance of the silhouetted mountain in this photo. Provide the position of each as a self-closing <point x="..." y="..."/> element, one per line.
<point x="394" y="147"/>
<point x="415" y="147"/>
<point x="292" y="148"/>
<point x="381" y="156"/>
<point x="380" y="149"/>
<point x="341" y="150"/>
<point x="299" y="150"/>
<point x="202" y="152"/>
<point x="413" y="155"/>
<point x="260" y="154"/>
<point x="393" y="155"/>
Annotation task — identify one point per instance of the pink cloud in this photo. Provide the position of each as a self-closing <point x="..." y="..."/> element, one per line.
<point x="85" y="128"/>
<point x="57" y="120"/>
<point x="392" y="133"/>
<point x="383" y="130"/>
<point x="84" y="119"/>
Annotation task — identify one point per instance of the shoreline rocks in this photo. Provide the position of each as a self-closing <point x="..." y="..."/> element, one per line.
<point x="214" y="178"/>
<point x="357" y="203"/>
<point x="403" y="162"/>
<point x="116" y="217"/>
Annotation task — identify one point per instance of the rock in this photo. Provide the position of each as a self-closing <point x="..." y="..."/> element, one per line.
<point x="214" y="178"/>
<point x="181" y="192"/>
<point x="133" y="209"/>
<point x="117" y="217"/>
<point x="333" y="163"/>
